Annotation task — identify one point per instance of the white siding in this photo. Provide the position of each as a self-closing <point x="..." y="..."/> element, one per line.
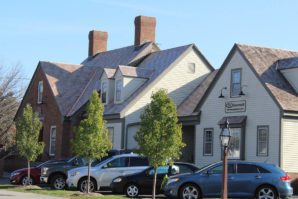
<point x="290" y="145"/>
<point x="130" y="85"/>
<point x="260" y="110"/>
<point x="292" y="76"/>
<point x="117" y="134"/>
<point x="178" y="81"/>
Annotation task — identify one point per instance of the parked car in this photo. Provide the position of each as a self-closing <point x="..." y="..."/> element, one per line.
<point x="103" y="173"/>
<point x="245" y="179"/>
<point x="55" y="174"/>
<point x="141" y="183"/>
<point x="20" y="176"/>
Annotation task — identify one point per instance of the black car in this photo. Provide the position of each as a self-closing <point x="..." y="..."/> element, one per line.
<point x="141" y="183"/>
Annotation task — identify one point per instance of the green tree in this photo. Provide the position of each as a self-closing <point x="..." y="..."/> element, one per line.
<point x="28" y="129"/>
<point x="91" y="139"/>
<point x="160" y="135"/>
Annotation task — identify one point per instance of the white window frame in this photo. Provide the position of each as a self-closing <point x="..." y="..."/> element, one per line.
<point x="205" y="141"/>
<point x="39" y="92"/>
<point x="107" y="91"/>
<point x="232" y="83"/>
<point x="191" y="67"/>
<point x="50" y="145"/>
<point x="118" y="91"/>
<point x="266" y="142"/>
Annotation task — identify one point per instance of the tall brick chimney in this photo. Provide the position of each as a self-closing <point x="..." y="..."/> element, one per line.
<point x="97" y="42"/>
<point x="144" y="29"/>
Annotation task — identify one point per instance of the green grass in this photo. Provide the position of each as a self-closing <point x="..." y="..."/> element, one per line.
<point x="67" y="194"/>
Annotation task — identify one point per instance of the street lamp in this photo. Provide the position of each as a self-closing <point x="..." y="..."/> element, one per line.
<point x="225" y="137"/>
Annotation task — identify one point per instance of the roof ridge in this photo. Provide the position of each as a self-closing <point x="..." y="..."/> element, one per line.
<point x="54" y="62"/>
<point x="188" y="45"/>
<point x="256" y="46"/>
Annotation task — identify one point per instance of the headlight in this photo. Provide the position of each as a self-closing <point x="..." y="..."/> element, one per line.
<point x="172" y="180"/>
<point x="44" y="170"/>
<point x="117" y="180"/>
<point x="15" y="173"/>
<point x="75" y="173"/>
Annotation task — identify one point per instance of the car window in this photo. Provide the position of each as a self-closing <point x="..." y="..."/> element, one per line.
<point x="160" y="170"/>
<point x="184" y="169"/>
<point x="247" y="168"/>
<point x="138" y="161"/>
<point x="118" y="162"/>
<point x="219" y="169"/>
<point x="262" y="170"/>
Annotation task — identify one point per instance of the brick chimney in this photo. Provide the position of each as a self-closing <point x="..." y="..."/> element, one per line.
<point x="144" y="29"/>
<point x="97" y="42"/>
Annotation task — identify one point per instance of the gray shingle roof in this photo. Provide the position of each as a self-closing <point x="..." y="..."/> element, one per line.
<point x="157" y="62"/>
<point x="287" y="63"/>
<point x="188" y="106"/>
<point x="263" y="60"/>
<point x="131" y="71"/>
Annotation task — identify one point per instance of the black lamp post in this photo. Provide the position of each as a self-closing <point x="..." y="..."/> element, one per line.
<point x="225" y="137"/>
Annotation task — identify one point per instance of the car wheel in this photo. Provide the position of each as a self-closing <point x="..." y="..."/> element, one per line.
<point x="132" y="190"/>
<point x="189" y="191"/>
<point x="266" y="192"/>
<point x="83" y="185"/>
<point x="24" y="181"/>
<point x="58" y="182"/>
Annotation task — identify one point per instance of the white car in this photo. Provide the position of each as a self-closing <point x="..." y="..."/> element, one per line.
<point x="103" y="173"/>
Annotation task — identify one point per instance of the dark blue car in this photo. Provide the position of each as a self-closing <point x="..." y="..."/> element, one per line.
<point x="245" y="180"/>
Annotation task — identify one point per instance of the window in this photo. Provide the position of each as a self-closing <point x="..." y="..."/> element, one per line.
<point x="111" y="134"/>
<point x="249" y="168"/>
<point x="40" y="91"/>
<point x="184" y="169"/>
<point x="104" y="89"/>
<point x="191" y="67"/>
<point x="218" y="169"/>
<point x="138" y="162"/>
<point x="208" y="142"/>
<point x="262" y="140"/>
<point x="235" y="82"/>
<point x="118" y="90"/>
<point x="118" y="162"/>
<point x="235" y="143"/>
<point x="53" y="141"/>
<point x="160" y="170"/>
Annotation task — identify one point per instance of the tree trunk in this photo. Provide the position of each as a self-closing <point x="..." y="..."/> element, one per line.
<point x="28" y="171"/>
<point x="88" y="182"/>
<point x="154" y="183"/>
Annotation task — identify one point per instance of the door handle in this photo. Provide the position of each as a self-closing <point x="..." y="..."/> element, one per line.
<point x="258" y="177"/>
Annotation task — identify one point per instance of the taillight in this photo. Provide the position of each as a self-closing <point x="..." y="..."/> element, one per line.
<point x="285" y="178"/>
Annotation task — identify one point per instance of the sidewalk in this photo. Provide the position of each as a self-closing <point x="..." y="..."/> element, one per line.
<point x="4" y="194"/>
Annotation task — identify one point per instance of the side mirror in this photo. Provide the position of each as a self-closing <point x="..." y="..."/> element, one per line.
<point x="209" y="172"/>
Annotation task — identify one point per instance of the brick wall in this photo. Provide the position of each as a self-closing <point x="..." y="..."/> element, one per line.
<point x="48" y="111"/>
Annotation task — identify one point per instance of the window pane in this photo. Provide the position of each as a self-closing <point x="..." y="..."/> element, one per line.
<point x="184" y="169"/>
<point x="236" y="76"/>
<point x="235" y="82"/>
<point x="247" y="168"/>
<point x="262" y="170"/>
<point x="219" y="169"/>
<point x="111" y="134"/>
<point x="119" y="162"/>
<point x="138" y="161"/>
<point x="160" y="170"/>
<point x="104" y="92"/>
<point x="118" y="90"/>
<point x="235" y="143"/>
<point x="208" y="142"/>
<point x="262" y="143"/>
<point x="53" y="141"/>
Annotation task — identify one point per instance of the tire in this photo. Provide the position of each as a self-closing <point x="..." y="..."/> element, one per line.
<point x="82" y="186"/>
<point x="132" y="190"/>
<point x="189" y="191"/>
<point x="24" y="180"/>
<point x="58" y="182"/>
<point x="266" y="192"/>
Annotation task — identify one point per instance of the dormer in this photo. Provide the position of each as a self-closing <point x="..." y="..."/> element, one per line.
<point x="289" y="69"/>
<point x="107" y="85"/>
<point x="127" y="80"/>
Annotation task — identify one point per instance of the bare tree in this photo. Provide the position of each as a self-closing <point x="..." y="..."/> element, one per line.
<point x="11" y="93"/>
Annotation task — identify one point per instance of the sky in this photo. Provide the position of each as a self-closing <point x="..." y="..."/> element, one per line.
<point x="57" y="30"/>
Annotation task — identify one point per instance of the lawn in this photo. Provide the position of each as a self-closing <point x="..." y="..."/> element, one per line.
<point x="59" y="193"/>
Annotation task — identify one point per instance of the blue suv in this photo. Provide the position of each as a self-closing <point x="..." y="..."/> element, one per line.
<point x="245" y="180"/>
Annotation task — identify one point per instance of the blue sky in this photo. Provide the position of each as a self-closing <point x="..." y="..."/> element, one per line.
<point x="57" y="30"/>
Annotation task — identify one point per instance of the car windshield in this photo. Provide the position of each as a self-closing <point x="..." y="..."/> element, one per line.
<point x="205" y="167"/>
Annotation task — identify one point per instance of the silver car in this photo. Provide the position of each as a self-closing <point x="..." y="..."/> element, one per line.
<point x="103" y="173"/>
